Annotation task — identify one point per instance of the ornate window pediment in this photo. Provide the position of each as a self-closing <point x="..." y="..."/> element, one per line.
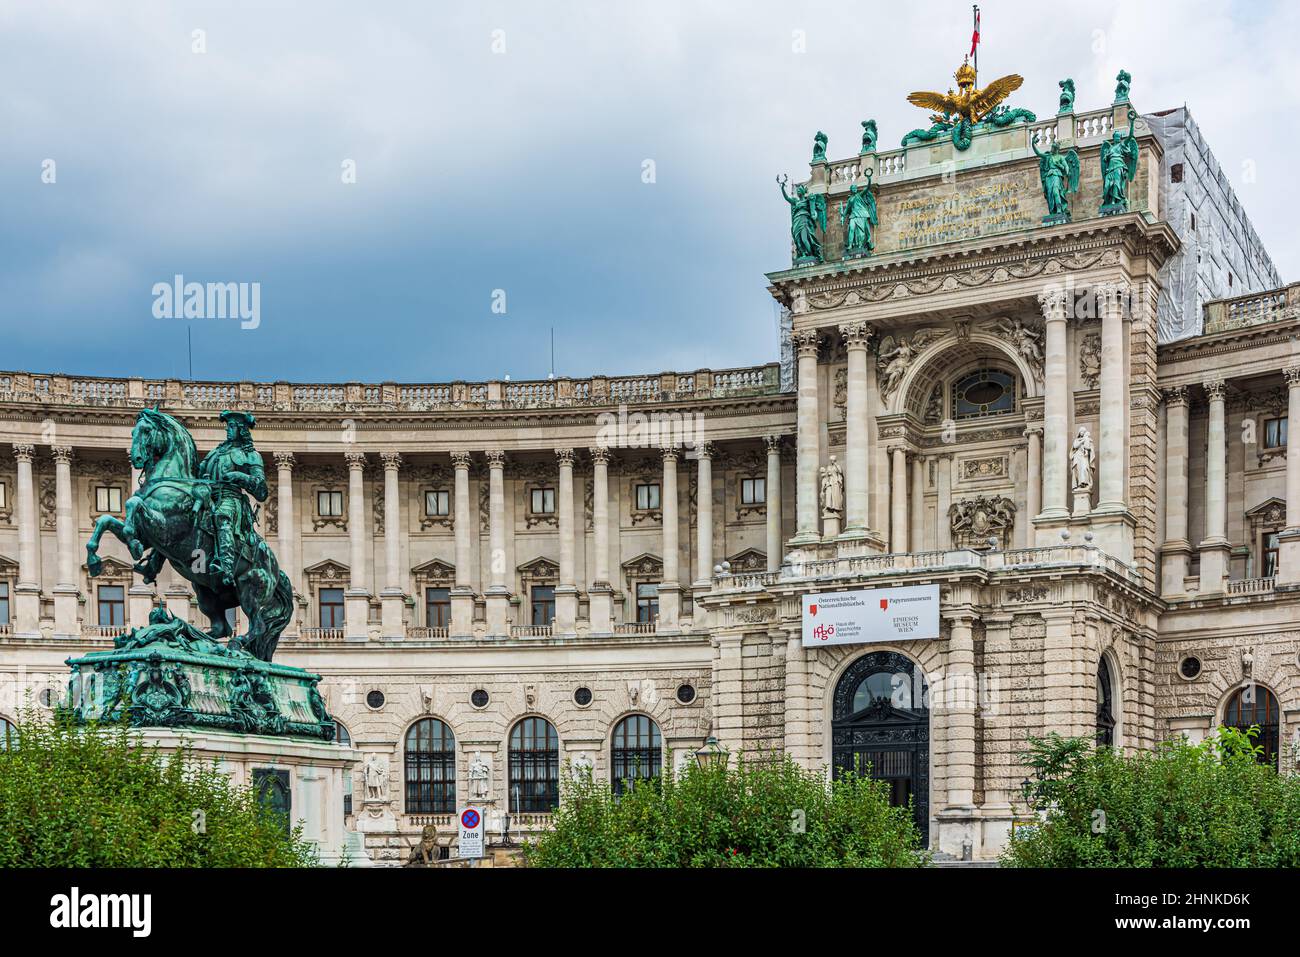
<point x="327" y="574"/>
<point x="748" y="560"/>
<point x="1270" y="512"/>
<point x="434" y="573"/>
<point x="113" y="571"/>
<point x="539" y="571"/>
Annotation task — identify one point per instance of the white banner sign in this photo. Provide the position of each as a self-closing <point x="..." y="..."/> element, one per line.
<point x="871" y="614"/>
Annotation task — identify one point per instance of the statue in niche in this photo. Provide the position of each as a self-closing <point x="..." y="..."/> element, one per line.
<point x="1090" y="360"/>
<point x="1058" y="171"/>
<point x="1082" y="458"/>
<point x="807" y="214"/>
<point x="832" y="488"/>
<point x="894" y="359"/>
<point x="819" y="147"/>
<point x="479" y="774"/>
<point x="582" y="766"/>
<point x="1122" y="82"/>
<point x="868" y="136"/>
<point x="858" y="215"/>
<point x="1067" y="96"/>
<point x="376" y="777"/>
<point x="1119" y="158"/>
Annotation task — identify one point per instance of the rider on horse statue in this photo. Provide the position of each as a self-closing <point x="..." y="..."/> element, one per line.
<point x="231" y="469"/>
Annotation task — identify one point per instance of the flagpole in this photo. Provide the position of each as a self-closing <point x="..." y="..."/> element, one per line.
<point x="975" y="17"/>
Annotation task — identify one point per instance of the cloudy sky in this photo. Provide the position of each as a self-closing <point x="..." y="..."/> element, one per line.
<point x="501" y="146"/>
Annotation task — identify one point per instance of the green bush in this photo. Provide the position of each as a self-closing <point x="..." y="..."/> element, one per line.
<point x="93" y="796"/>
<point x="770" y="814"/>
<point x="1181" y="805"/>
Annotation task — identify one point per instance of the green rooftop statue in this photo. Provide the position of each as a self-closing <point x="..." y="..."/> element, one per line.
<point x="1058" y="170"/>
<point x="819" y="147"/>
<point x="868" y="136"/>
<point x="1119" y="157"/>
<point x="1122" y="82"/>
<point x="1067" y="96"/>
<point x="858" y="215"/>
<point x="807" y="213"/>
<point x="197" y="518"/>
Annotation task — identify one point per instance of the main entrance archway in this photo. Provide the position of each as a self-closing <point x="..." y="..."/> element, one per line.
<point x="881" y="724"/>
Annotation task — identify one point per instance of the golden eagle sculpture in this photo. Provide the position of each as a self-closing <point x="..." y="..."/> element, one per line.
<point x="968" y="108"/>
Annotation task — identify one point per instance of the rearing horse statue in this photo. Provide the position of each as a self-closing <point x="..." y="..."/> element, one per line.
<point x="171" y="517"/>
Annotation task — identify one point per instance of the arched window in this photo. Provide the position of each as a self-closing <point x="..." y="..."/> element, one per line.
<point x="1105" y="706"/>
<point x="430" y="768"/>
<point x="985" y="392"/>
<point x="8" y="734"/>
<point x="636" y="751"/>
<point x="534" y="767"/>
<point x="343" y="738"/>
<point x="1255" y="705"/>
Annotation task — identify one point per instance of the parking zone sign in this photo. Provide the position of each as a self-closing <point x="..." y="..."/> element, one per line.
<point x="471" y="833"/>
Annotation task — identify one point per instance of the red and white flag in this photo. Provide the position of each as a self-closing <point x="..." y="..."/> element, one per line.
<point x="975" y="37"/>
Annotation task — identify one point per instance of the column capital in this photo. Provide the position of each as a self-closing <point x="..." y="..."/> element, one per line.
<point x="704" y="450"/>
<point x="856" y="334"/>
<point x="565" y="457"/>
<point x="62" y="453"/>
<point x="1292" y="375"/>
<point x="1215" y="389"/>
<point x="600" y="454"/>
<point x="806" y="342"/>
<point x="1033" y="430"/>
<point x="670" y="454"/>
<point x="460" y="460"/>
<point x="23" y="452"/>
<point x="1053" y="301"/>
<point x="774" y="443"/>
<point x="1175" y="395"/>
<point x="284" y="460"/>
<point x="496" y="458"/>
<point x="356" y="460"/>
<point x="392" y="460"/>
<point x="1111" y="296"/>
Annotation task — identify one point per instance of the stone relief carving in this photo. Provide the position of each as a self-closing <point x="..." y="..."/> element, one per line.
<point x="990" y="467"/>
<point x="895" y="357"/>
<point x="1027" y="341"/>
<point x="1090" y="360"/>
<point x="975" y="520"/>
<point x="842" y="392"/>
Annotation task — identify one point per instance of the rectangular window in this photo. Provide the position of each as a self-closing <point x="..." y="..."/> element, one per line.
<point x="331" y="608"/>
<point x="543" y="502"/>
<point x="329" y="504"/>
<point x="437" y="502"/>
<point x="543" y="604"/>
<point x="647" y="495"/>
<point x="647" y="601"/>
<point x="1275" y="433"/>
<point x="4" y="496"/>
<point x="4" y="603"/>
<point x="1270" y="554"/>
<point x="108" y="498"/>
<point x="437" y="607"/>
<point x="753" y="491"/>
<point x="112" y="606"/>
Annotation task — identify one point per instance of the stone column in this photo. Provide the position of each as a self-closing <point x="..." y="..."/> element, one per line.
<point x="703" y="516"/>
<point x="357" y="596"/>
<point x="898" y="500"/>
<point x="797" y="729"/>
<point x="27" y="592"/>
<point x="943" y="483"/>
<point x="566" y="592"/>
<point x="808" y="442"/>
<point x="1288" y="563"/>
<point x="1033" y="479"/>
<point x="959" y="696"/>
<point x="857" y="488"/>
<point x="393" y="597"/>
<point x="917" y="504"/>
<point x="498" y="594"/>
<point x="775" y="545"/>
<point x="1177" y="549"/>
<point x="728" y="691"/>
<point x="284" y="462"/>
<point x="462" y="593"/>
<point x="1056" y="412"/>
<point x="66" y="591"/>
<point x="670" y="588"/>
<point x="601" y="594"/>
<point x="1112" y="455"/>
<point x="1215" y="546"/>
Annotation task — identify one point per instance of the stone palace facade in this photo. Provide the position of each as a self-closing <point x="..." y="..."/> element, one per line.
<point x="498" y="578"/>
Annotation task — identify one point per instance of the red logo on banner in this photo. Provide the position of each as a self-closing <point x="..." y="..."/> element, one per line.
<point x="812" y="610"/>
<point x="884" y="604"/>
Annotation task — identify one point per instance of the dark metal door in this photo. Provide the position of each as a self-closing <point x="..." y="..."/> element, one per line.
<point x="881" y="726"/>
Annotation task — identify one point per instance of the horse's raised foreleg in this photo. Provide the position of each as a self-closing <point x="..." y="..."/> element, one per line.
<point x="105" y="523"/>
<point x="128" y="535"/>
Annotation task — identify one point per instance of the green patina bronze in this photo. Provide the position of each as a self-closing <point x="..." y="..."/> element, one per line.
<point x="868" y="136"/>
<point x="1058" y="170"/>
<point x="1122" y="82"/>
<point x="1067" y="96"/>
<point x="963" y="130"/>
<point x="807" y="215"/>
<point x="1119" y="157"/>
<point x="858" y="216"/>
<point x="819" y="147"/>
<point x="196" y="517"/>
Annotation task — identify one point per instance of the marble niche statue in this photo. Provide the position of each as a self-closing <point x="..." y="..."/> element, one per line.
<point x="480" y="772"/>
<point x="1082" y="458"/>
<point x="582" y="766"/>
<point x="376" y="777"/>
<point x="832" y="488"/>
